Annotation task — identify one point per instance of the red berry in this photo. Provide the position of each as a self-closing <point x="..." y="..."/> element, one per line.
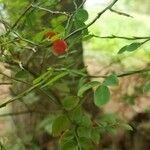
<point x="49" y="34"/>
<point x="59" y="47"/>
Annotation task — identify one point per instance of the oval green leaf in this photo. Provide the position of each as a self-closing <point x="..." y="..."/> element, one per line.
<point x="60" y="124"/>
<point x="111" y="80"/>
<point x="130" y="48"/>
<point x="101" y="95"/>
<point x="81" y="15"/>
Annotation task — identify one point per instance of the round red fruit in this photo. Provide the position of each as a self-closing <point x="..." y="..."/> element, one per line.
<point x="59" y="47"/>
<point x="49" y="34"/>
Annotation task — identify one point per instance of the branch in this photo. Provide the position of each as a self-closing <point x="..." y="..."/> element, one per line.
<point x="5" y="83"/>
<point x="121" y="37"/>
<point x="12" y="78"/>
<point x="133" y="72"/>
<point x="18" y="96"/>
<point x="93" y="21"/>
<point x="125" y="74"/>
<point x="50" y="11"/>
<point x="41" y="90"/>
<point x="21" y="113"/>
<point x="120" y="13"/>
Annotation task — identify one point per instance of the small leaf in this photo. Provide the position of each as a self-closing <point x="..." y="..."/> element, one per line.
<point x="70" y="102"/>
<point x="95" y="135"/>
<point x="21" y="74"/>
<point x="60" y="124"/>
<point x="84" y="132"/>
<point x="133" y="47"/>
<point x="39" y="36"/>
<point x="79" y="24"/>
<point x="111" y="80"/>
<point x="82" y="81"/>
<point x="67" y="136"/>
<point x="130" y="48"/>
<point x="123" y="49"/>
<point x="85" y="143"/>
<point x="69" y="145"/>
<point x="80" y="118"/>
<point x="101" y="95"/>
<point x="86" y="87"/>
<point x="81" y="15"/>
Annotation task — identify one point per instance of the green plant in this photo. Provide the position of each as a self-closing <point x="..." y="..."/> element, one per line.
<point x="64" y="81"/>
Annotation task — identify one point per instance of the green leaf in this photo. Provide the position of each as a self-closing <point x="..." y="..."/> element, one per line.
<point x="69" y="145"/>
<point x="146" y="88"/>
<point x="85" y="120"/>
<point x="46" y="124"/>
<point x="108" y="118"/>
<point x="67" y="136"/>
<point x="57" y="21"/>
<point x="84" y="132"/>
<point x="60" y="124"/>
<point x="123" y="49"/>
<point x="80" y="117"/>
<point x="82" y="81"/>
<point x="101" y="95"/>
<point x="95" y="135"/>
<point x="86" y="87"/>
<point x="85" y="143"/>
<point x="130" y="48"/>
<point x="70" y="102"/>
<point x="81" y="15"/>
<point x="39" y="36"/>
<point x="111" y="80"/>
<point x="59" y="29"/>
<point x="79" y="24"/>
<point x="21" y="74"/>
<point x="62" y="18"/>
